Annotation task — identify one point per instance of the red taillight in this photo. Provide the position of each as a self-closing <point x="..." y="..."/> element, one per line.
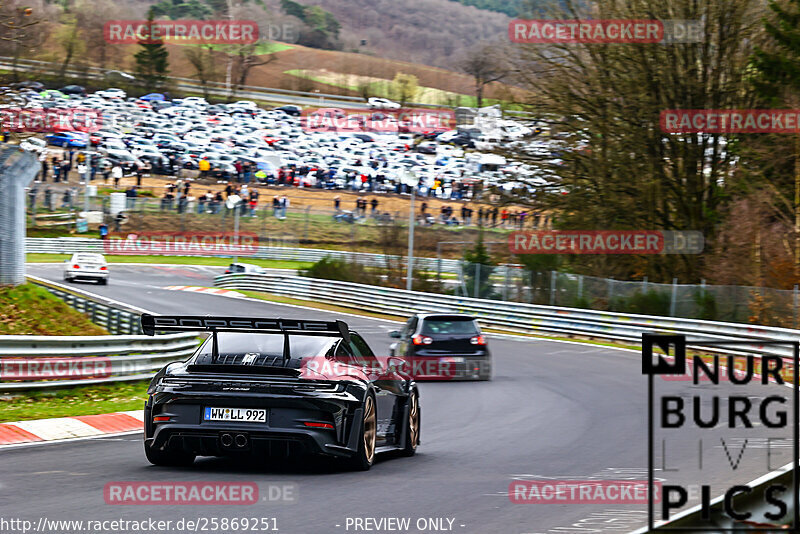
<point x="478" y="340"/>
<point x="161" y="419"/>
<point x="318" y="425"/>
<point x="76" y="266"/>
<point x="421" y="340"/>
<point x="103" y="268"/>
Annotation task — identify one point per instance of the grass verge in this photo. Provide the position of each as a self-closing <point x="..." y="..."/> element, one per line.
<point x="32" y="310"/>
<point x="83" y="400"/>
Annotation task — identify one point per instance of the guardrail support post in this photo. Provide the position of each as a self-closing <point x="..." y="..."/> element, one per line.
<point x="553" y="284"/>
<point x="505" y="282"/>
<point x="477" y="293"/>
<point x="674" y="298"/>
<point x="580" y="287"/>
<point x="439" y="262"/>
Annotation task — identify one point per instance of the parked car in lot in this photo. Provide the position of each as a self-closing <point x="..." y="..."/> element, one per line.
<point x="33" y="144"/>
<point x="74" y="90"/>
<point x="292" y="110"/>
<point x="85" y="266"/>
<point x="112" y="92"/>
<point x="426" y="147"/>
<point x="453" y="338"/>
<point x="67" y="139"/>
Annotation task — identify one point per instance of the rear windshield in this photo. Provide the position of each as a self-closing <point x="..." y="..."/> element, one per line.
<point x="261" y="349"/>
<point x="449" y="325"/>
<point x="96" y="258"/>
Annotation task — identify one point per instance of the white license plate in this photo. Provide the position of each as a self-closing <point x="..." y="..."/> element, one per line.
<point x="245" y="415"/>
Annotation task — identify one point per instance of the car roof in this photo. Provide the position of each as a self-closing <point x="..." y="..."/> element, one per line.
<point x="449" y="315"/>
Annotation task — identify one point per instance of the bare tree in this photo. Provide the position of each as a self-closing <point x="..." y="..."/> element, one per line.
<point x="617" y="168"/>
<point x="91" y="16"/>
<point x="204" y="63"/>
<point x="70" y="39"/>
<point x="485" y="65"/>
<point x="246" y="59"/>
<point x="21" y="30"/>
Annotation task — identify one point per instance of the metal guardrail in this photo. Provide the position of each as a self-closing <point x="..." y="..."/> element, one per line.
<point x="71" y="245"/>
<point x="38" y="362"/>
<point x="114" y="316"/>
<point x="513" y="316"/>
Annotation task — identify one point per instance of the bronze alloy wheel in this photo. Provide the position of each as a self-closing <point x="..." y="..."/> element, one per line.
<point x="413" y="421"/>
<point x="370" y="424"/>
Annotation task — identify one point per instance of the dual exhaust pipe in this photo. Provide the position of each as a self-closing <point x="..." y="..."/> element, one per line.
<point x="229" y="440"/>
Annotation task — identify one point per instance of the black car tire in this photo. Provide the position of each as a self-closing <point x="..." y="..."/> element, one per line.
<point x="168" y="458"/>
<point x="104" y="281"/>
<point x="413" y="425"/>
<point x="364" y="458"/>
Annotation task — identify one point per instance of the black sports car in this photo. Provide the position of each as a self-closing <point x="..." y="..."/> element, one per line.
<point x="277" y="387"/>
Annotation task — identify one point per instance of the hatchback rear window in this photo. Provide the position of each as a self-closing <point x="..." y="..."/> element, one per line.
<point x="449" y="325"/>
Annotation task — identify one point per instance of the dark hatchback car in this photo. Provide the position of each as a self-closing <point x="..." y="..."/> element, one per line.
<point x="276" y="387"/>
<point x="455" y="339"/>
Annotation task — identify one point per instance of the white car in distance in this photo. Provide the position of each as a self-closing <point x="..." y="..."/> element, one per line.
<point x="382" y="103"/>
<point x="83" y="266"/>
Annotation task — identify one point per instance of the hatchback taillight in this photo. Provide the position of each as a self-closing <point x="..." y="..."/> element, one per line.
<point x="421" y="340"/>
<point x="478" y="340"/>
<point x="103" y="268"/>
<point x="76" y="266"/>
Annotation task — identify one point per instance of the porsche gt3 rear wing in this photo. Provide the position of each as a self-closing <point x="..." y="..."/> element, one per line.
<point x="208" y="323"/>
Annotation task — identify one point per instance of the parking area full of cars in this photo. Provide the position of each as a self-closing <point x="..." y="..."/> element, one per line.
<point x="243" y="142"/>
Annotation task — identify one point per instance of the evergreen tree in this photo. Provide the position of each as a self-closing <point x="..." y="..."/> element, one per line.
<point x="776" y="77"/>
<point x="778" y="67"/>
<point x="152" y="62"/>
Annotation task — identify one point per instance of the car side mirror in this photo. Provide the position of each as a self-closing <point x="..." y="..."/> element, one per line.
<point x="396" y="363"/>
<point x="394" y="333"/>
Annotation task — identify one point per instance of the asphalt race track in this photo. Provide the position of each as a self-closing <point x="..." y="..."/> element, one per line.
<point x="560" y="410"/>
